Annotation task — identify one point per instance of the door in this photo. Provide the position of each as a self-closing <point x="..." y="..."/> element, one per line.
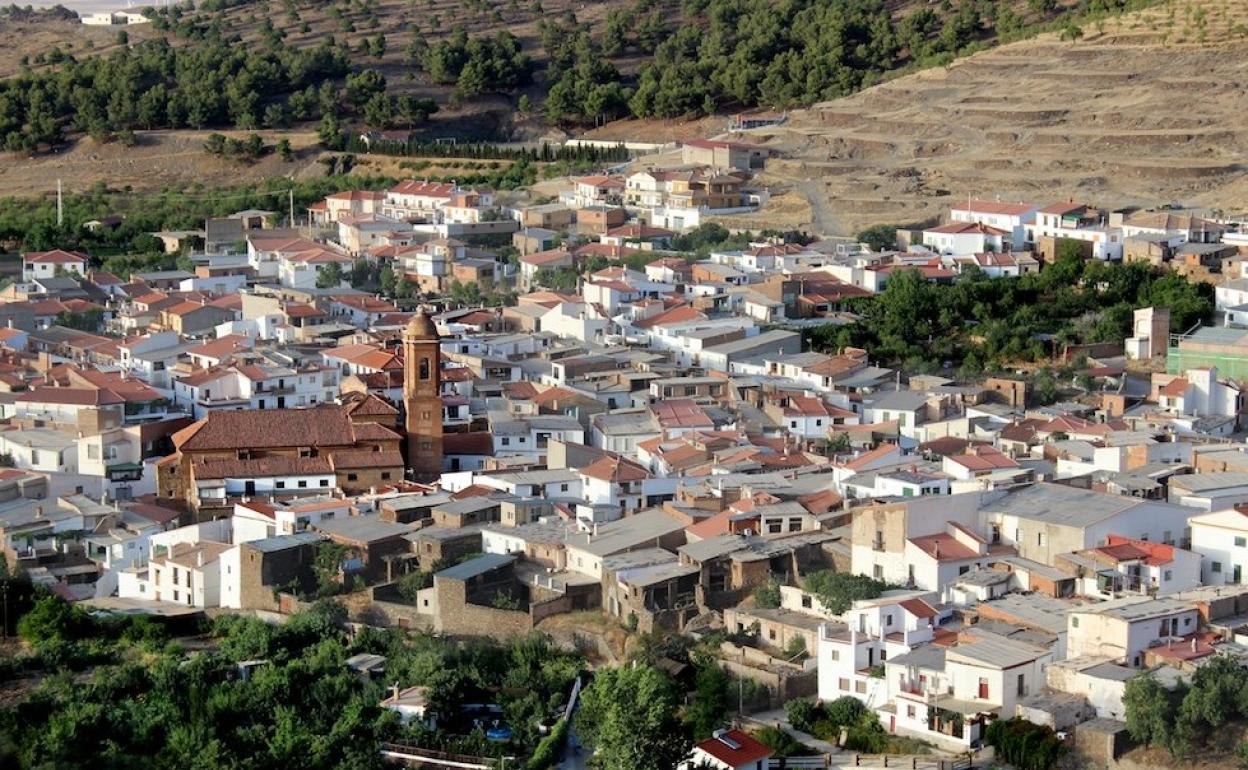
<point x="1238" y="573"/>
<point x="249" y="488"/>
<point x="281" y="402"/>
<point x="983" y="689"/>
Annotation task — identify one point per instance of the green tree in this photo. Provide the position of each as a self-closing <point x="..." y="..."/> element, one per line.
<point x="52" y="619"/>
<point x="708" y="708"/>
<point x="330" y="276"/>
<point x="837" y="591"/>
<point x="767" y="595"/>
<point x="879" y="237"/>
<point x="628" y="717"/>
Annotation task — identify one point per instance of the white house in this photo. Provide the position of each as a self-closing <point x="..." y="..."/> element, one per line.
<point x="1013" y="218"/>
<point x="877" y="630"/>
<point x="729" y="750"/>
<point x="1221" y="539"/>
<point x="966" y="238"/>
<point x="45" y="264"/>
<point x="1124" y="628"/>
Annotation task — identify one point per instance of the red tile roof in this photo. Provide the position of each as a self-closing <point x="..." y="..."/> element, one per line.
<point x="738" y="750"/>
<point x="56" y="256"/>
<point x="967" y="228"/>
<point x="615" y="469"/>
<point x="943" y="547"/>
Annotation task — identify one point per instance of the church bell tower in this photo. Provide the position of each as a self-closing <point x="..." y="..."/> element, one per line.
<point x="422" y="397"/>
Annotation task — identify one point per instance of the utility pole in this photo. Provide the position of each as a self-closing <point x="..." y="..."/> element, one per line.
<point x="60" y="208"/>
<point x="292" y="207"/>
<point x="4" y="589"/>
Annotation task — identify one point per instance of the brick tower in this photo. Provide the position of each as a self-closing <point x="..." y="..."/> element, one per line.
<point x="422" y="397"/>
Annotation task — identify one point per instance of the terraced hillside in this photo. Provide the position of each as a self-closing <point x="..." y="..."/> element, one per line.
<point x="1147" y="110"/>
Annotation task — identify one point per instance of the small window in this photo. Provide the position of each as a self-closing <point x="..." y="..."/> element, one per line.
<point x="843" y="685"/>
<point x="324" y="482"/>
<point x="385" y="475"/>
<point x="1074" y="621"/>
<point x="1167" y="576"/>
<point x="1217" y="566"/>
<point x="860" y="687"/>
<point x="806" y="601"/>
<point x="281" y="485"/>
<point x="303" y="484"/>
<point x="352" y="477"/>
<point x="1240" y="542"/>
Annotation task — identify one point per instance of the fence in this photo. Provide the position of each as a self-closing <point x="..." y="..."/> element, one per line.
<point x="910" y="761"/>
<point x="408" y="753"/>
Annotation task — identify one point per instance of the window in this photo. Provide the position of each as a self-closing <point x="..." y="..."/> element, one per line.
<point x="1022" y="685"/>
<point x="1240" y="542"/>
<point x="965" y="568"/>
<point x="771" y="634"/>
<point x="563" y="487"/>
<point x="878" y="571"/>
<point x="352" y="477"/>
<point x="385" y="475"/>
<point x="324" y="482"/>
<point x="910" y="712"/>
<point x="1074" y="621"/>
<point x="281" y="485"/>
<point x="860" y="687"/>
<point x="1216" y="567"/>
<point x="836" y="655"/>
<point x="843" y="685"/>
<point x="506" y="441"/>
<point x="806" y="602"/>
<point x="303" y="483"/>
<point x="1167" y="575"/>
<point x="1040" y="539"/>
<point x="424" y="368"/>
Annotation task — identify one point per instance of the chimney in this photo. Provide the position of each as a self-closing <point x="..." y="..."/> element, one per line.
<point x="199" y="558"/>
<point x="1193" y="644"/>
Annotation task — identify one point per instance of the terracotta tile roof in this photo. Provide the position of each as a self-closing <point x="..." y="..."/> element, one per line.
<point x="423" y="189"/>
<point x="549" y="257"/>
<point x="918" y="608"/>
<point x="679" y="314"/>
<point x="321" y="426"/>
<point x="352" y="459"/>
<point x="223" y="347"/>
<point x="520" y="391"/>
<point x="966" y="228"/>
<point x="713" y="526"/>
<point x="478" y="443"/>
<point x="371" y="431"/>
<point x="984" y="458"/>
<point x="263" y="467"/>
<point x="866" y="458"/>
<point x="70" y="396"/>
<point x="1175" y="388"/>
<point x="735" y="749"/>
<point x="943" y="547"/>
<point x="369" y="405"/>
<point x="615" y="469"/>
<point x="56" y="257"/>
<point x="682" y="413"/>
<point x="474" y="490"/>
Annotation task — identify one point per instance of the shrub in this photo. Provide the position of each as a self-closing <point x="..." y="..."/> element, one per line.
<point x="1023" y="744"/>
<point x="802" y="714"/>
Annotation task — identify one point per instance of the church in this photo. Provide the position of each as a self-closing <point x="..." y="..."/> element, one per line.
<point x="422" y="397"/>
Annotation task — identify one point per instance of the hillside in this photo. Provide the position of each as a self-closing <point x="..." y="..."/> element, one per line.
<point x="1143" y="112"/>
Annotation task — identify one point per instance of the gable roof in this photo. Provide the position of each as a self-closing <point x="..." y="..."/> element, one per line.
<point x="735" y="748"/>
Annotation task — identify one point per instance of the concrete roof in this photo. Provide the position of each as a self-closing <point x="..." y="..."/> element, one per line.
<point x="1069" y="506"/>
<point x="362" y="528"/>
<point x="478" y="566"/>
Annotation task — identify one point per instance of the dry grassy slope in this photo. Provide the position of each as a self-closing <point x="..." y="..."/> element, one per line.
<point x="1141" y="112"/>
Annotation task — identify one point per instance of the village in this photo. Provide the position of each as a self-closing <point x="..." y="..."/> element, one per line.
<point x="571" y="415"/>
